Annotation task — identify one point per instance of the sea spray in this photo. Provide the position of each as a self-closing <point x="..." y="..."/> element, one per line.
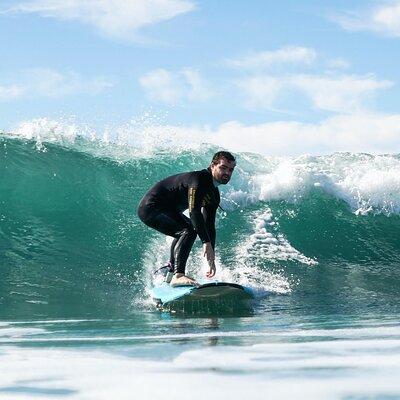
<point x="72" y="245"/>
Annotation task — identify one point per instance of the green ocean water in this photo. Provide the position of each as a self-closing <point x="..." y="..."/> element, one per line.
<point x="317" y="237"/>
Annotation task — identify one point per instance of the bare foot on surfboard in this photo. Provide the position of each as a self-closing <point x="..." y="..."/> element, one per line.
<point x="183" y="280"/>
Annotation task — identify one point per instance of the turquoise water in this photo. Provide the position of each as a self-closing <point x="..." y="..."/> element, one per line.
<point x="318" y="238"/>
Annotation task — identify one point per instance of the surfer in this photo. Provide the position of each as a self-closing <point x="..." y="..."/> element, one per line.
<point x="162" y="209"/>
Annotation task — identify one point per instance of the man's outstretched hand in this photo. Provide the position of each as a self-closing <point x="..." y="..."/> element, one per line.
<point x="208" y="252"/>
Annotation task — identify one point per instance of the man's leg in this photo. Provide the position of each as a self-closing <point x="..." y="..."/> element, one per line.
<point x="182" y="248"/>
<point x="172" y="252"/>
<point x="181" y="228"/>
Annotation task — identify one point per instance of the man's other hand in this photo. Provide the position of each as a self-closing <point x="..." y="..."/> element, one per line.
<point x="208" y="252"/>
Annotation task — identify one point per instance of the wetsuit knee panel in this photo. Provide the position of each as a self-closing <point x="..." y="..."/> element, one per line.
<point x="188" y="231"/>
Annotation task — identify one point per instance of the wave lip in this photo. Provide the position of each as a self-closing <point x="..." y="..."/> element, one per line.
<point x="69" y="227"/>
<point x="367" y="183"/>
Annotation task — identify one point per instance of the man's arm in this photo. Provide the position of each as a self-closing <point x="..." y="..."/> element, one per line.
<point x="196" y="194"/>
<point x="209" y="219"/>
<point x="206" y="233"/>
<point x="209" y="248"/>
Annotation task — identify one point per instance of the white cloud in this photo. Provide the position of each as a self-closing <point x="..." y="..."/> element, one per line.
<point x="345" y="93"/>
<point x="173" y="87"/>
<point x="261" y="92"/>
<point x="197" y="90"/>
<point x="384" y="19"/>
<point x="362" y="132"/>
<point x="42" y="82"/>
<point x="284" y="55"/>
<point x="338" y="63"/>
<point x="160" y="86"/>
<point x="272" y="89"/>
<point x="115" y="18"/>
<point x="11" y="92"/>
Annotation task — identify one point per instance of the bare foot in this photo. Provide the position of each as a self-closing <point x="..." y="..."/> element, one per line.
<point x="183" y="280"/>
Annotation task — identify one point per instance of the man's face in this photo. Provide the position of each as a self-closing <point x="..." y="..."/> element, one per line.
<point x="222" y="171"/>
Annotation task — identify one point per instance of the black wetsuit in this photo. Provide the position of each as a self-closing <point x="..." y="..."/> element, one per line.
<point x="162" y="209"/>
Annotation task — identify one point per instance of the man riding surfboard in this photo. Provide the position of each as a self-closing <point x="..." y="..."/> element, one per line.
<point x="163" y="205"/>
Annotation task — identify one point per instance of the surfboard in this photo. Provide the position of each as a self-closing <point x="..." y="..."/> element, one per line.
<point x="165" y="295"/>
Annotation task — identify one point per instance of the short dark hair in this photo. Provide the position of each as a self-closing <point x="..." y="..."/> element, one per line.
<point x="222" y="154"/>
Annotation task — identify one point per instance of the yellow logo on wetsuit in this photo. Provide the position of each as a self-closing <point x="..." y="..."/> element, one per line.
<point x="192" y="193"/>
<point x="192" y="196"/>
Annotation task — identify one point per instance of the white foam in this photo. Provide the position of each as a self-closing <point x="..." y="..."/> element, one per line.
<point x="140" y="138"/>
<point x="43" y="130"/>
<point x="15" y="332"/>
<point x="51" y="321"/>
<point x="327" y="366"/>
<point x="263" y="282"/>
<point x="363" y="335"/>
<point x="266" y="243"/>
<point x="370" y="184"/>
<point x="367" y="183"/>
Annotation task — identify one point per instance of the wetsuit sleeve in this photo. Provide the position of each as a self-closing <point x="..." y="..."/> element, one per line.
<point x="209" y="218"/>
<point x="196" y="193"/>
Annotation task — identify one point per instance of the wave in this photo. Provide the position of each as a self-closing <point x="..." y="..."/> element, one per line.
<point x="69" y="232"/>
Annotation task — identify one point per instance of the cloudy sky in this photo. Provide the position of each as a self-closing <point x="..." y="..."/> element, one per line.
<point x="286" y="77"/>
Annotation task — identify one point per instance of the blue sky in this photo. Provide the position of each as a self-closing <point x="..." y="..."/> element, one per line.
<point x="291" y="77"/>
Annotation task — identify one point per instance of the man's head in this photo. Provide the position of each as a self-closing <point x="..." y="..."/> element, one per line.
<point x="222" y="165"/>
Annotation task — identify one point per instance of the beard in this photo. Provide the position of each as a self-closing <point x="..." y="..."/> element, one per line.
<point x="224" y="179"/>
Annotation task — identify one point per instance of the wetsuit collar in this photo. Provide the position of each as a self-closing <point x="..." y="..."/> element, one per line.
<point x="216" y="183"/>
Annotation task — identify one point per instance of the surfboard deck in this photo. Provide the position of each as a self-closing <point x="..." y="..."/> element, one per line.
<point x="164" y="294"/>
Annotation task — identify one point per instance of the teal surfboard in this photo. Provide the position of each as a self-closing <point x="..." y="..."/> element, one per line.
<point x="165" y="295"/>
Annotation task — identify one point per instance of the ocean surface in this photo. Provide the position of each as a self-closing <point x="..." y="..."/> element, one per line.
<point x="317" y="237"/>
